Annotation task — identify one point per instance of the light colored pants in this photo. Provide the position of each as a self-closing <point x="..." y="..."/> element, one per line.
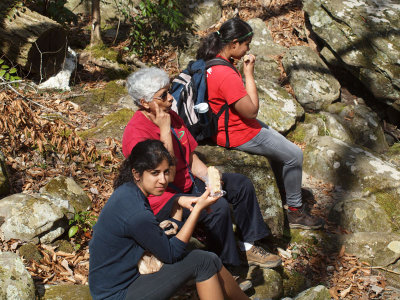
<point x="286" y="160"/>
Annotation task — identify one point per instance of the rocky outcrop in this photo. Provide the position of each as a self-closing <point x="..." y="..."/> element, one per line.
<point x="258" y="170"/>
<point x="205" y="13"/>
<point x="313" y="84"/>
<point x="15" y="281"/>
<point x="363" y="36"/>
<point x="319" y="292"/>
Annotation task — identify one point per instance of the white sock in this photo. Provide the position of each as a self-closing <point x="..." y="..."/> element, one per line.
<point x="245" y="246"/>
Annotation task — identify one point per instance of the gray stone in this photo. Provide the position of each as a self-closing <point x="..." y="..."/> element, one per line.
<point x="363" y="34"/>
<point x="4" y="185"/>
<point x="66" y="194"/>
<point x="258" y="170"/>
<point x="355" y="170"/>
<point x="312" y="81"/>
<point x="361" y="123"/>
<point x="205" y="13"/>
<point x="67" y="292"/>
<point x="189" y="52"/>
<point x="278" y="108"/>
<point x="28" y="218"/>
<point x="377" y="248"/>
<point x="319" y="292"/>
<point x="360" y="215"/>
<point x="262" y="43"/>
<point x="15" y="281"/>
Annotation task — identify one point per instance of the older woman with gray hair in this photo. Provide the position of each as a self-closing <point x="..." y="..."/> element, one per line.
<point x="155" y="120"/>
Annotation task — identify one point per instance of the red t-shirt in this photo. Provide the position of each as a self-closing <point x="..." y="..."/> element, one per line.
<point x="224" y="85"/>
<point x="140" y="128"/>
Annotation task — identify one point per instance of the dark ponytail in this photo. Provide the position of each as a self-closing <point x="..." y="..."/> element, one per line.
<point x="230" y="30"/>
<point x="146" y="155"/>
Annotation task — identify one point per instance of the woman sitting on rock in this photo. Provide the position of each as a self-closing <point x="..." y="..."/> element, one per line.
<point x="127" y="227"/>
<point x="155" y="120"/>
<point x="244" y="131"/>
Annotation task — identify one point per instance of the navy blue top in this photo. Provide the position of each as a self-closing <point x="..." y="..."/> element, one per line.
<point x="125" y="229"/>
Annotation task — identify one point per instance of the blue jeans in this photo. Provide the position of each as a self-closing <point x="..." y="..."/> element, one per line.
<point x="198" y="265"/>
<point x="286" y="160"/>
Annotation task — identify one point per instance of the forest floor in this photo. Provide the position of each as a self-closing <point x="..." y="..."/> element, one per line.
<point x="39" y="141"/>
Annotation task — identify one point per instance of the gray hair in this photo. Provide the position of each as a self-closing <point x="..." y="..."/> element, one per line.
<point x="143" y="84"/>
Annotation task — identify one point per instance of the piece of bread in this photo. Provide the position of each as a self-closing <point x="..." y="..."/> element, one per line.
<point x="246" y="58"/>
<point x="214" y="180"/>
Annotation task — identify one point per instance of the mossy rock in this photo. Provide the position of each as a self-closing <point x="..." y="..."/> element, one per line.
<point x="101" y="99"/>
<point x="394" y="154"/>
<point x="30" y="252"/>
<point x="267" y="283"/>
<point x="61" y="189"/>
<point x="112" y="125"/>
<point x="102" y="51"/>
<point x="293" y="283"/>
<point x="64" y="246"/>
<point x="67" y="292"/>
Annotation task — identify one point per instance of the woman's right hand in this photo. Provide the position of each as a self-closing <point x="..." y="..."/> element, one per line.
<point x="205" y="201"/>
<point x="248" y="64"/>
<point x="159" y="117"/>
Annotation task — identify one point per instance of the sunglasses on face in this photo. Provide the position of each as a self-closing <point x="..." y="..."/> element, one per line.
<point x="163" y="97"/>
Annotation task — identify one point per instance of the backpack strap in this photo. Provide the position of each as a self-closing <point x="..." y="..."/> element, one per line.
<point x="225" y="108"/>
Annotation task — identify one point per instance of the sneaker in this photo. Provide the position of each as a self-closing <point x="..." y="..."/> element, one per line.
<point x="301" y="219"/>
<point x="258" y="256"/>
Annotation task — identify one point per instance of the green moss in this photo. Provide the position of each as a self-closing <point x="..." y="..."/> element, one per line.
<point x="298" y="135"/>
<point x="293" y="283"/>
<point x="30" y="252"/>
<point x="67" y="292"/>
<point x="394" y="150"/>
<point x="111" y="93"/>
<point x="111" y="125"/>
<point x="101" y="51"/>
<point x="390" y="204"/>
<point x="64" y="246"/>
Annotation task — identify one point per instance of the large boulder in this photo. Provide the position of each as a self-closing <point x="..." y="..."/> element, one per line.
<point x="356" y="171"/>
<point x="313" y="84"/>
<point x="15" y="281"/>
<point x="363" y="35"/>
<point x="66" y="194"/>
<point x="4" y="185"/>
<point x="31" y="218"/>
<point x="258" y="169"/>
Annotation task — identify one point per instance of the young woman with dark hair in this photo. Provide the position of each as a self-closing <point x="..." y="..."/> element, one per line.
<point x="243" y="131"/>
<point x="127" y="227"/>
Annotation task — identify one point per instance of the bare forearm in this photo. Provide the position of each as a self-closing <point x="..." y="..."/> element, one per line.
<point x="187" y="229"/>
<point x="199" y="169"/>
<point x="251" y="89"/>
<point x="166" y="138"/>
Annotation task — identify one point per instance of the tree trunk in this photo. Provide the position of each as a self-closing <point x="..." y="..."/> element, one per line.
<point x="33" y="41"/>
<point x="95" y="35"/>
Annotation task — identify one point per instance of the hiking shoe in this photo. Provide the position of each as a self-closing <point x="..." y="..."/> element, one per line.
<point x="301" y="219"/>
<point x="258" y="256"/>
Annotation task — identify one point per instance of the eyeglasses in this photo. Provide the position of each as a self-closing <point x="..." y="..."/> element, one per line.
<point x="163" y="97"/>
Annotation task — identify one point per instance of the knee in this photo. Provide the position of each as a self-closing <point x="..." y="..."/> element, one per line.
<point x="221" y="209"/>
<point x="206" y="263"/>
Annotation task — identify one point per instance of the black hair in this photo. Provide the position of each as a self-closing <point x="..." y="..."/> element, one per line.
<point x="230" y="30"/>
<point x="146" y="155"/>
